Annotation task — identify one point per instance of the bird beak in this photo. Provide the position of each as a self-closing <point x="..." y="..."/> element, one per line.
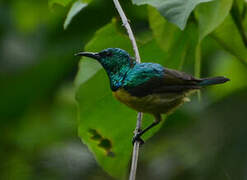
<point x="89" y="54"/>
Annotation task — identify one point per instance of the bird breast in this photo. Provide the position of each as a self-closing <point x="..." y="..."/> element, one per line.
<point x="153" y="103"/>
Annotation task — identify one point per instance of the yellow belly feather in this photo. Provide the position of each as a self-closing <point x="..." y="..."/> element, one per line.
<point x="153" y="104"/>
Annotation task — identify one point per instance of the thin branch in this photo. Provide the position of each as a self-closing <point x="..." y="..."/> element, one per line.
<point x="128" y="28"/>
<point x="135" y="149"/>
<point x="139" y="117"/>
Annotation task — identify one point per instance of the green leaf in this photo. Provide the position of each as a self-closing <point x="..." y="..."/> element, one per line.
<point x="60" y="2"/>
<point x="165" y="33"/>
<point x="210" y="15"/>
<point x="171" y="39"/>
<point x="175" y="11"/>
<point x="91" y="68"/>
<point x="74" y="10"/>
<point x="227" y="34"/>
<point x="105" y="125"/>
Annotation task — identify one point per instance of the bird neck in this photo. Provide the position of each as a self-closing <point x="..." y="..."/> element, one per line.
<point x="116" y="68"/>
<point x="117" y="77"/>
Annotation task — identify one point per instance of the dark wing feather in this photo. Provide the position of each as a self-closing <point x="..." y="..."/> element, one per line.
<point x="171" y="81"/>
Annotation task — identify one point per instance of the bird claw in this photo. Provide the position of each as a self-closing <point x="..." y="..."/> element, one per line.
<point x="137" y="138"/>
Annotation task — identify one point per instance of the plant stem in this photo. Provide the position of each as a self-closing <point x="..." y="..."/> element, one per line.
<point x="128" y="28"/>
<point x="135" y="149"/>
<point x="198" y="66"/>
<point x="139" y="117"/>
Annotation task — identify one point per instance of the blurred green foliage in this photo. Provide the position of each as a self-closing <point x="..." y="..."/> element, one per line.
<point x="38" y="110"/>
<point x="208" y="16"/>
<point x="176" y="11"/>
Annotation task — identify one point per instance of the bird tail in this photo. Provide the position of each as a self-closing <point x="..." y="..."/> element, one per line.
<point x="213" y="80"/>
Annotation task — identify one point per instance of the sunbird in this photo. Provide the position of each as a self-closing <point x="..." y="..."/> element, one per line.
<point x="148" y="87"/>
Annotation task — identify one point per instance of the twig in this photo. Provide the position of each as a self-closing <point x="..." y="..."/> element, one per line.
<point x="139" y="117"/>
<point x="135" y="149"/>
<point x="128" y="28"/>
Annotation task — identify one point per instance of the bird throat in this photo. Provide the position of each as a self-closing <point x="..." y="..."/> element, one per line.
<point x="117" y="77"/>
<point x="117" y="68"/>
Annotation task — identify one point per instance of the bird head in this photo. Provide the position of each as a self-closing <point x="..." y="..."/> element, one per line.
<point x="112" y="59"/>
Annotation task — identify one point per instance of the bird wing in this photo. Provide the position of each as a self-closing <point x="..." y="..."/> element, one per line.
<point x="150" y="78"/>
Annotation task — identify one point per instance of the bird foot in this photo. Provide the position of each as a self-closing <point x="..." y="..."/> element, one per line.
<point x="137" y="138"/>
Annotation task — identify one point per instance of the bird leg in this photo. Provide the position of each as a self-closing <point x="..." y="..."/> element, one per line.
<point x="137" y="137"/>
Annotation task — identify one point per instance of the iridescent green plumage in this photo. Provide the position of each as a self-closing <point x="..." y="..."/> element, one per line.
<point x="147" y="87"/>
